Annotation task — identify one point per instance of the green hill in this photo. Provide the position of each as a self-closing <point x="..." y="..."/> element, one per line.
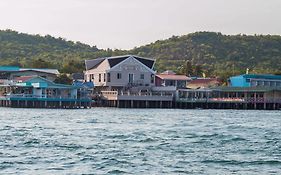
<point x="217" y="54"/>
<point x="212" y="53"/>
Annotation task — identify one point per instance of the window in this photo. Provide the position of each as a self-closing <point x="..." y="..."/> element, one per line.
<point x="152" y="78"/>
<point x="131" y="78"/>
<point x="99" y="77"/>
<point x="142" y="76"/>
<point x="119" y="75"/>
<point x="104" y="77"/>
<point x="266" y="83"/>
<point x="108" y="77"/>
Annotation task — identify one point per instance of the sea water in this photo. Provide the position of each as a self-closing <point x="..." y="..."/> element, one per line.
<point x="139" y="141"/>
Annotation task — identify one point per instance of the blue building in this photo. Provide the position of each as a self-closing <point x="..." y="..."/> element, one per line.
<point x="255" y="80"/>
<point x="38" y="92"/>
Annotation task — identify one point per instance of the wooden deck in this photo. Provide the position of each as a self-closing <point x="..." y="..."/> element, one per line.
<point x="139" y="100"/>
<point x="29" y="101"/>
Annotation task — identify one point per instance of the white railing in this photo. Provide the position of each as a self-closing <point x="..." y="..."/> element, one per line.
<point x="114" y="95"/>
<point x="128" y="93"/>
<point x="42" y="96"/>
<point x="25" y="96"/>
<point x="233" y="99"/>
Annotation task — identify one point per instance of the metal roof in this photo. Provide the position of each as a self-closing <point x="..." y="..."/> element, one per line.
<point x="173" y="77"/>
<point x="9" y="68"/>
<point x="246" y="89"/>
<point x="90" y="64"/>
<point x="259" y="76"/>
<point x="49" y="71"/>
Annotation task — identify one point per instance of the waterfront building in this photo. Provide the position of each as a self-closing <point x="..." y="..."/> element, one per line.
<point x="5" y="72"/>
<point x="39" y="92"/>
<point x="169" y="78"/>
<point x="230" y="98"/>
<point x="121" y="72"/>
<point x="11" y="72"/>
<point x="255" y="80"/>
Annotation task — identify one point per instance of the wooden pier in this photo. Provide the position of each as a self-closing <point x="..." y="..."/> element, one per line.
<point x="45" y="103"/>
<point x="229" y="105"/>
<point x="140" y="100"/>
<point x="219" y="98"/>
<point x="259" y="98"/>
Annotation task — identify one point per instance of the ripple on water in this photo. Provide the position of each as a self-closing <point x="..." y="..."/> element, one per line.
<point x="136" y="141"/>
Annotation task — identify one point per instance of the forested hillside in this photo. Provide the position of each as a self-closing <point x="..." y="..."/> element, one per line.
<point x="217" y="54"/>
<point x="45" y="51"/>
<point x="212" y="53"/>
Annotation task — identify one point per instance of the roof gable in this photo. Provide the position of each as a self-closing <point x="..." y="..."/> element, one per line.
<point x="42" y="82"/>
<point x="131" y="64"/>
<point x="38" y="79"/>
<point x="113" y="61"/>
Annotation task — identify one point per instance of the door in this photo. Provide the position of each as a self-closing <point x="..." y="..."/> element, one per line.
<point x="131" y="78"/>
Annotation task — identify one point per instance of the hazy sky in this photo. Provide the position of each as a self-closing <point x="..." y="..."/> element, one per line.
<point x="129" y="23"/>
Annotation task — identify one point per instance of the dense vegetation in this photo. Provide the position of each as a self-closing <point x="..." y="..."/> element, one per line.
<point x="203" y="52"/>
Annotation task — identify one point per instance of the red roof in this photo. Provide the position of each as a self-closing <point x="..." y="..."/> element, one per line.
<point x="22" y="78"/>
<point x="173" y="77"/>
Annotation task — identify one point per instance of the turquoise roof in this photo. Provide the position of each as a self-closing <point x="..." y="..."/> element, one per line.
<point x="9" y="68"/>
<point x="260" y="76"/>
<point x="245" y="89"/>
<point x="39" y="82"/>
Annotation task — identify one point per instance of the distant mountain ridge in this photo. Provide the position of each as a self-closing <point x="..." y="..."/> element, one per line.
<point x="217" y="54"/>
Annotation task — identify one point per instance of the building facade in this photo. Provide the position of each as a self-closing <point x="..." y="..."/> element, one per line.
<point x="169" y="78"/>
<point x="255" y="80"/>
<point x="119" y="72"/>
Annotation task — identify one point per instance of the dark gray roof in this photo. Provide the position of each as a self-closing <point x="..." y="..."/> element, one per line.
<point x="93" y="63"/>
<point x="77" y="76"/>
<point x="117" y="59"/>
<point x="146" y="61"/>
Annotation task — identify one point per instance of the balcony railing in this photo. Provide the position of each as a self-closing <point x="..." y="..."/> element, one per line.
<point x="44" y="96"/>
<point x="114" y="95"/>
<point x="243" y="100"/>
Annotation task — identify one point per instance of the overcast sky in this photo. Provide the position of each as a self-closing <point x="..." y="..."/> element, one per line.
<point x="128" y="23"/>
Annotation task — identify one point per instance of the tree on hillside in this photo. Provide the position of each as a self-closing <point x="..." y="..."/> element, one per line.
<point x="72" y="66"/>
<point x="40" y="63"/>
<point x="63" y="79"/>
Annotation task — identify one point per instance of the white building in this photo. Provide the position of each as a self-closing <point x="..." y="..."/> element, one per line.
<point x="120" y="72"/>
